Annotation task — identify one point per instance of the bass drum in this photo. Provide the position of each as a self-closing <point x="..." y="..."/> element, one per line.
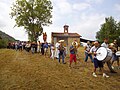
<point x="118" y="53"/>
<point x="104" y="54"/>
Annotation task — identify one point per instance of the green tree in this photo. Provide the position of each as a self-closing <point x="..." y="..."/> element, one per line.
<point x="109" y="30"/>
<point x="32" y="15"/>
<point x="118" y="33"/>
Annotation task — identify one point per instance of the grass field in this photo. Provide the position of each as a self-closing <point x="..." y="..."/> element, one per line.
<point x="24" y="71"/>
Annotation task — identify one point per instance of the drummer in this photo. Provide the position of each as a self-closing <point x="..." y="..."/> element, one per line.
<point x="114" y="57"/>
<point x="109" y="64"/>
<point x="97" y="63"/>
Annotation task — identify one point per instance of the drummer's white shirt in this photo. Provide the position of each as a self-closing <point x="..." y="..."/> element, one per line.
<point x="93" y="49"/>
<point x="104" y="45"/>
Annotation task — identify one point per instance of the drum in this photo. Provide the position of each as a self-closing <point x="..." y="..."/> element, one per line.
<point x="104" y="54"/>
<point x="118" y="53"/>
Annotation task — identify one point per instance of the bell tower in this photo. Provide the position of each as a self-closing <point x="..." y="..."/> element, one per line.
<point x="66" y="28"/>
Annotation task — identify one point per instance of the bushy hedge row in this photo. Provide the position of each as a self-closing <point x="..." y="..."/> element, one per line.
<point x="3" y="43"/>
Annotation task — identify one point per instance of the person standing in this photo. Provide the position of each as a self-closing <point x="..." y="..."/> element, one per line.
<point x="16" y="45"/>
<point x="56" y="50"/>
<point x="45" y="46"/>
<point x="20" y="46"/>
<point x="42" y="48"/>
<point x="33" y="47"/>
<point x="109" y="64"/>
<point x="38" y="47"/>
<point x="87" y="52"/>
<point x="45" y="37"/>
<point x="28" y="46"/>
<point x="52" y="51"/>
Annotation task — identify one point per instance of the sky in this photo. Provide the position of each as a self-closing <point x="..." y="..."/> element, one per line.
<point x="83" y="17"/>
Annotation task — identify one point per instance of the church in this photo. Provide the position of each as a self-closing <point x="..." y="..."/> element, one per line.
<point x="66" y="36"/>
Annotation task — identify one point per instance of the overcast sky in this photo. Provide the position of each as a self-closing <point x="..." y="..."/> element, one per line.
<point x="83" y="17"/>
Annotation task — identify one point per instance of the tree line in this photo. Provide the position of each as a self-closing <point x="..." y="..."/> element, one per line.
<point x="110" y="29"/>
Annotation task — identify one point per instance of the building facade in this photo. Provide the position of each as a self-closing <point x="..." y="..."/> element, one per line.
<point x="66" y="36"/>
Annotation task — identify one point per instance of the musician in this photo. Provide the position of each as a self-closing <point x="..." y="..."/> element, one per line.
<point x="115" y="44"/>
<point x="87" y="52"/>
<point x="114" y="57"/>
<point x="109" y="64"/>
<point x="73" y="52"/>
<point x="61" y="52"/>
<point x="105" y="43"/>
<point x="97" y="63"/>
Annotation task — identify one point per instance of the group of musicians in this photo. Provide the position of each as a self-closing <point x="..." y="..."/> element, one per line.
<point x="91" y="50"/>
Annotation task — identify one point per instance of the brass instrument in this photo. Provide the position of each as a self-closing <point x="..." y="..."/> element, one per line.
<point x="75" y="45"/>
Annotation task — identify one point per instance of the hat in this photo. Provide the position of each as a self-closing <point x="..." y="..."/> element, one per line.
<point x="74" y="42"/>
<point x="60" y="41"/>
<point x="88" y="42"/>
<point x="111" y="44"/>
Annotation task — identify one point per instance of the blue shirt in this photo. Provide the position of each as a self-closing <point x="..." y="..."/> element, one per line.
<point x="45" y="45"/>
<point x="72" y="51"/>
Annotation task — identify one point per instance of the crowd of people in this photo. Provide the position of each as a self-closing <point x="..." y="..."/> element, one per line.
<point x="58" y="51"/>
<point x="32" y="47"/>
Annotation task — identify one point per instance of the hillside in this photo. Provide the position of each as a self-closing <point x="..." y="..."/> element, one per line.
<point x="25" y="71"/>
<point x="6" y="36"/>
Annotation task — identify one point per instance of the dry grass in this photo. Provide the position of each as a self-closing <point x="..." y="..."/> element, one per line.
<point x="24" y="71"/>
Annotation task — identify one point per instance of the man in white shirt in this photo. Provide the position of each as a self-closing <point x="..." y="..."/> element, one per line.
<point x="109" y="64"/>
<point x="97" y="63"/>
<point x="87" y="52"/>
<point x="105" y="43"/>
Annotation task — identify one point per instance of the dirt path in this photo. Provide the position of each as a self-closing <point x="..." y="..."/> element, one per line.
<point x="24" y="71"/>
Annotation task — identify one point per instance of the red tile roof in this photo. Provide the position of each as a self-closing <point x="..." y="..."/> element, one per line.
<point x="54" y="34"/>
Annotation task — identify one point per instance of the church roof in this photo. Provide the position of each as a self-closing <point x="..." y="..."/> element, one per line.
<point x="54" y="34"/>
